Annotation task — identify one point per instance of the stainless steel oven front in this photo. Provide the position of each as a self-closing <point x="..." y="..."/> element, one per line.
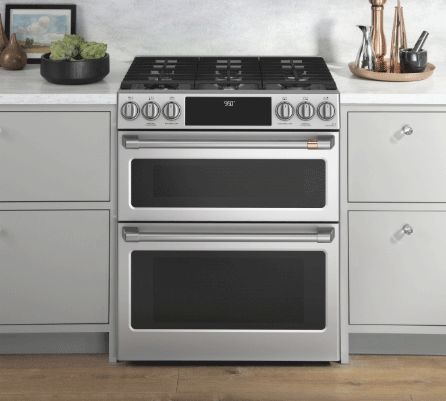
<point x="249" y="176"/>
<point x="228" y="291"/>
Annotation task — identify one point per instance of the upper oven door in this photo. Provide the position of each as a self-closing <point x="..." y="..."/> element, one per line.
<point x="222" y="176"/>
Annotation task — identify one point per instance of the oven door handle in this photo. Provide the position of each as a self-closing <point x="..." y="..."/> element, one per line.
<point x="133" y="234"/>
<point x="134" y="142"/>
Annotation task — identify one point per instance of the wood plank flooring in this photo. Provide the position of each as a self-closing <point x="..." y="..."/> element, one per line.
<point x="92" y="378"/>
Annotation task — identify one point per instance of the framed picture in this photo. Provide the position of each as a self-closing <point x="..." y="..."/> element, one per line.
<point x="37" y="25"/>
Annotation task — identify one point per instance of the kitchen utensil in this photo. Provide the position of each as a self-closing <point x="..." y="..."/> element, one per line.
<point x="391" y="77"/>
<point x="366" y="56"/>
<point x="421" y="41"/>
<point x="78" y="72"/>
<point x="378" y="37"/>
<point x="13" y="56"/>
<point x="413" y="61"/>
<point x="399" y="39"/>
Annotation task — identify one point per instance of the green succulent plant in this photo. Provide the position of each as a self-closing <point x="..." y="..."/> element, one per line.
<point x="93" y="50"/>
<point x="61" y="50"/>
<point x="74" y="47"/>
<point x="74" y="40"/>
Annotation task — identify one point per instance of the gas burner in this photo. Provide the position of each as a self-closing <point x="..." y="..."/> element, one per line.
<point x="228" y="85"/>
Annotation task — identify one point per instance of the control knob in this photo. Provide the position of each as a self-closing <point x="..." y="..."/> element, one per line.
<point x="130" y="110"/>
<point x="326" y="111"/>
<point x="305" y="111"/>
<point x="171" y="110"/>
<point x="284" y="111"/>
<point x="150" y="111"/>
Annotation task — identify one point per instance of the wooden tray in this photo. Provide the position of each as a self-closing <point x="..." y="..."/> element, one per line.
<point x="392" y="77"/>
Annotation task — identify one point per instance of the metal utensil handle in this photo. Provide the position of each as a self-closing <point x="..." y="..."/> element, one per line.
<point x="133" y="234"/>
<point x="133" y="142"/>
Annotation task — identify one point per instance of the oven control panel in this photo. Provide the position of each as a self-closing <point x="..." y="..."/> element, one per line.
<point x="164" y="110"/>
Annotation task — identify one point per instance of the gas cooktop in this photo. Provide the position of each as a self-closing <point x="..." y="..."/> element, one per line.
<point x="174" y="93"/>
<point x="229" y="73"/>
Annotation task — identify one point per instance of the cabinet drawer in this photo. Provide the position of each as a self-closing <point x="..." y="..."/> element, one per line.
<point x="386" y="165"/>
<point x="54" y="156"/>
<point x="397" y="278"/>
<point x="54" y="267"/>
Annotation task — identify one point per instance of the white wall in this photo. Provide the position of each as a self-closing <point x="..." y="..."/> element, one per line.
<point x="246" y="27"/>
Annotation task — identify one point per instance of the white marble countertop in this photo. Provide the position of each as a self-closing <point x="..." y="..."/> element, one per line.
<point x="361" y="91"/>
<point x="28" y="87"/>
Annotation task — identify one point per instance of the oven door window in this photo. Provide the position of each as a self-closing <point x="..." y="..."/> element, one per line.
<point x="228" y="183"/>
<point x="228" y="290"/>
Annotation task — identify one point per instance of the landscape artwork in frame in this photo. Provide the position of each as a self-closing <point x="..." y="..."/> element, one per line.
<point x="37" y="25"/>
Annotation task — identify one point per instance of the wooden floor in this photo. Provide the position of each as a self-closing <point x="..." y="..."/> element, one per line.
<point x="91" y="378"/>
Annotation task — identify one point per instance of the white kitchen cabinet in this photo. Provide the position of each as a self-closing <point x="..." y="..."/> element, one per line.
<point x="54" y="156"/>
<point x="396" y="157"/>
<point x="397" y="268"/>
<point x="54" y="267"/>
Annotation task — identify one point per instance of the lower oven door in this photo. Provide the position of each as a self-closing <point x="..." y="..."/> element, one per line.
<point x="228" y="292"/>
<point x="229" y="176"/>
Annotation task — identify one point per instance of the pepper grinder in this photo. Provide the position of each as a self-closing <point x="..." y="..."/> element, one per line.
<point x="378" y="37"/>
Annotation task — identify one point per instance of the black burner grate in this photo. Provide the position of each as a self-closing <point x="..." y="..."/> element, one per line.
<point x="229" y="73"/>
<point x="161" y="73"/>
<point x="306" y="73"/>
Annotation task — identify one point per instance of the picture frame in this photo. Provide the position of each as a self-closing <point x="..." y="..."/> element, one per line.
<point x="37" y="25"/>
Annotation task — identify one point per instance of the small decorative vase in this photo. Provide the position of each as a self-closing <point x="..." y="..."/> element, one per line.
<point x="13" y="57"/>
<point x="366" y="56"/>
<point x="3" y="37"/>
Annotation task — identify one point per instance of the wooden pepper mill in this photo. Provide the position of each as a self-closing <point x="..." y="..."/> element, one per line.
<point x="378" y="36"/>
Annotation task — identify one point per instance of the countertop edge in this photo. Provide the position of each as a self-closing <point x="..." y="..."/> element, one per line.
<point x="393" y="99"/>
<point x="58" y="99"/>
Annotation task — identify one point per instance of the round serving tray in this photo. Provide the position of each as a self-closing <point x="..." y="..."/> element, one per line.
<point x="392" y="77"/>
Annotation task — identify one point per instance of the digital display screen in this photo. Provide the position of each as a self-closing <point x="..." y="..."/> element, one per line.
<point x="230" y="111"/>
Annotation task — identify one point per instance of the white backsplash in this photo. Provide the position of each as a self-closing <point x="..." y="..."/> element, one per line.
<point x="247" y="27"/>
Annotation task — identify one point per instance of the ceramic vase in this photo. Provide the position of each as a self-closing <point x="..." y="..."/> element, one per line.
<point x="3" y="37"/>
<point x="13" y="56"/>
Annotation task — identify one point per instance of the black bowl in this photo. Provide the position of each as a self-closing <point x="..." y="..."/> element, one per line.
<point x="76" y="72"/>
<point x="411" y="61"/>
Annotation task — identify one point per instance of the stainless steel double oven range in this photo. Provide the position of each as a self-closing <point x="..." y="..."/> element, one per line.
<point x="228" y="210"/>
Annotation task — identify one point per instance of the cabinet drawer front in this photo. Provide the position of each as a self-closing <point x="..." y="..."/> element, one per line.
<point x="386" y="165"/>
<point x="54" y="267"/>
<point x="54" y="156"/>
<point x="397" y="277"/>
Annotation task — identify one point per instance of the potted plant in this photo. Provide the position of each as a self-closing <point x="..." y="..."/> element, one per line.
<point x="74" y="61"/>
